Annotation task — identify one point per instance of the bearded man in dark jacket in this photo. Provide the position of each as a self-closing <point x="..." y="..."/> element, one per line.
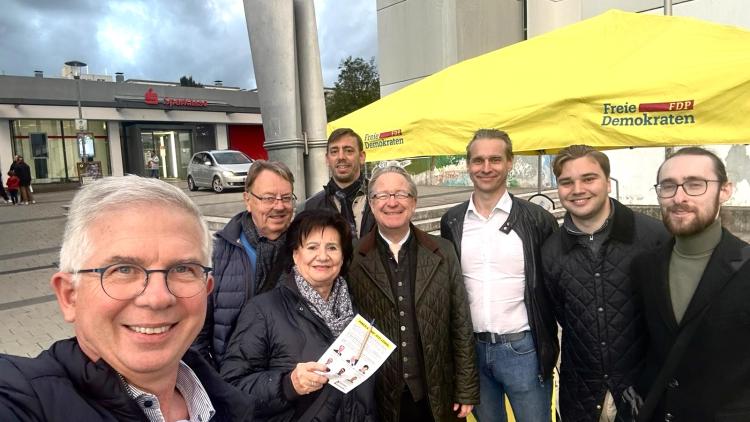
<point x="247" y="253"/>
<point x="136" y="293"/>
<point x="346" y="192"/>
<point x="586" y="268"/>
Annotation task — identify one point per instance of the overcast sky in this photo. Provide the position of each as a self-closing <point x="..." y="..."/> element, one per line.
<point x="164" y="39"/>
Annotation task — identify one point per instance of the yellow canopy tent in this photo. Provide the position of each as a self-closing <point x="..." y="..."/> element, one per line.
<point x="614" y="81"/>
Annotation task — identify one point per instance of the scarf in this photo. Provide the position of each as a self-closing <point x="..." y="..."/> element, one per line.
<point x="266" y="250"/>
<point x="337" y="311"/>
<point x="346" y="197"/>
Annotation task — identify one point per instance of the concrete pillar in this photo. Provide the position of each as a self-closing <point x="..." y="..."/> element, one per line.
<point x="6" y="146"/>
<point x="222" y="140"/>
<point x="312" y="101"/>
<point x="270" y="25"/>
<point x="115" y="148"/>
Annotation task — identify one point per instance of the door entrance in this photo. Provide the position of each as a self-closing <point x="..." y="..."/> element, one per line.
<point x="174" y="149"/>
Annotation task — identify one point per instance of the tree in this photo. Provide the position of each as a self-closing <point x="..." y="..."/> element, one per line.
<point x="188" y="81"/>
<point x="358" y="85"/>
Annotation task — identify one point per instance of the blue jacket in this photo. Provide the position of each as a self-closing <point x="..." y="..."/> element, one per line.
<point x="63" y="384"/>
<point x="232" y="277"/>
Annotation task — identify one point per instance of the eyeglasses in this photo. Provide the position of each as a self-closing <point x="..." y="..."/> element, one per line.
<point x="127" y="281"/>
<point x="696" y="187"/>
<point x="384" y="196"/>
<point x="270" y="200"/>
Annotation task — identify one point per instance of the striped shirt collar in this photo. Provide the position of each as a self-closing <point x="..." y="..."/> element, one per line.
<point x="198" y="403"/>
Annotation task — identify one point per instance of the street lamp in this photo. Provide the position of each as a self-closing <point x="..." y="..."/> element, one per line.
<point x="76" y="68"/>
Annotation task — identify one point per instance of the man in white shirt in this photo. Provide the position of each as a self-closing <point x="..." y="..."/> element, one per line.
<point x="498" y="239"/>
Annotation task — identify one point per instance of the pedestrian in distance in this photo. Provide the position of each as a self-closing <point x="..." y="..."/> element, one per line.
<point x="13" y="185"/>
<point x="23" y="171"/>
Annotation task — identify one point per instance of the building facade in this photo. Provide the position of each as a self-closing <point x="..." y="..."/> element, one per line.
<point x="122" y="125"/>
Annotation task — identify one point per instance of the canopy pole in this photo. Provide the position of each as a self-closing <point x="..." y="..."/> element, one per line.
<point x="667" y="7"/>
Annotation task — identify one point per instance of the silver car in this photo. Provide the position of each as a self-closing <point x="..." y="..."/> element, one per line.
<point x="218" y="170"/>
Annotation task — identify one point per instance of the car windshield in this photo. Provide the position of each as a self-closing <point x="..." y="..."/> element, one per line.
<point x="231" y="157"/>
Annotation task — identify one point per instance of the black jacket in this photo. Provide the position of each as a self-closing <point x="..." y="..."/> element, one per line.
<point x="533" y="225"/>
<point x="62" y="384"/>
<point x="604" y="334"/>
<point x="23" y="171"/>
<point x="275" y="331"/>
<point x="711" y="381"/>
<point x="363" y="218"/>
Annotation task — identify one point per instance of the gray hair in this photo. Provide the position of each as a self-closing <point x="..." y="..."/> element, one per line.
<point x="392" y="169"/>
<point x="117" y="193"/>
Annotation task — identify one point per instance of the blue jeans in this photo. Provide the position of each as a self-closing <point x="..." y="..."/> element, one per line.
<point x="513" y="369"/>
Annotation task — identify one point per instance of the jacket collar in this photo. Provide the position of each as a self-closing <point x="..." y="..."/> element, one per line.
<point x="100" y="383"/>
<point x="622" y="227"/>
<point x="367" y="244"/>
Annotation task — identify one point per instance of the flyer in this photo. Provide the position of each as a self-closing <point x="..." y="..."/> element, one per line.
<point x="356" y="354"/>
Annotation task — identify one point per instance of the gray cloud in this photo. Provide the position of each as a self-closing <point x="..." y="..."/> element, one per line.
<point x="163" y="40"/>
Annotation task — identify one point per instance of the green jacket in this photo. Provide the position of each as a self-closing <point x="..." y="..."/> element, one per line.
<point x="443" y="319"/>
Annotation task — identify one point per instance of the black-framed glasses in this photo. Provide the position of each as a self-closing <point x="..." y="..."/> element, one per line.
<point x="269" y="200"/>
<point x="127" y="281"/>
<point x="694" y="187"/>
<point x="384" y="196"/>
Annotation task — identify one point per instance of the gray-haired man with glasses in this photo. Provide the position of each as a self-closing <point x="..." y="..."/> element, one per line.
<point x="696" y="293"/>
<point x="134" y="280"/>
<point x="246" y="252"/>
<point x="410" y="282"/>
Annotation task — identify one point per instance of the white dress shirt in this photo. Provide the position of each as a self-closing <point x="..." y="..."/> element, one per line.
<point x="492" y="263"/>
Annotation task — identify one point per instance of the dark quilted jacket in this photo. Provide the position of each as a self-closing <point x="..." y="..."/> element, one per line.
<point x="63" y="384"/>
<point x="275" y="331"/>
<point x="443" y="318"/>
<point x="534" y="225"/>
<point x="232" y="277"/>
<point x="604" y="333"/>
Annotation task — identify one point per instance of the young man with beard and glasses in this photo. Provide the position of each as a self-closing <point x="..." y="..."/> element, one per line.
<point x="346" y="192"/>
<point x="586" y="269"/>
<point x="499" y="238"/>
<point x="134" y="279"/>
<point x="247" y="250"/>
<point x="696" y="295"/>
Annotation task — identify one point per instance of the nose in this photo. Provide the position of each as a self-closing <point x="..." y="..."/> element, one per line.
<point x="156" y="295"/>
<point x="680" y="195"/>
<point x="577" y="186"/>
<point x="322" y="254"/>
<point x="486" y="166"/>
<point x="278" y="204"/>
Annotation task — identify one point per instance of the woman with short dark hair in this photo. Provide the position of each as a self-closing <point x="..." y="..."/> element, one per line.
<point x="280" y="335"/>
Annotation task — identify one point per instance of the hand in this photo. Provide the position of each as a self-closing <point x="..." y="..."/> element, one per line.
<point x="304" y="378"/>
<point x="465" y="409"/>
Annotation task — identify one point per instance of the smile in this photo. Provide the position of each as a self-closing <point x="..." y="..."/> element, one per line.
<point x="150" y="330"/>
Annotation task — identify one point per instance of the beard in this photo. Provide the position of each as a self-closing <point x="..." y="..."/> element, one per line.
<point x="700" y="221"/>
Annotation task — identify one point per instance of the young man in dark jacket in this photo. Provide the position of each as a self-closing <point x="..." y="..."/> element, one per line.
<point x="696" y="292"/>
<point x="136" y="294"/>
<point x="586" y="268"/>
<point x="346" y="192"/>
<point x="498" y="239"/>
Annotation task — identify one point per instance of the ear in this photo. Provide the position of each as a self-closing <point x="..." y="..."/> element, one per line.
<point x="725" y="192"/>
<point x="210" y="284"/>
<point x="609" y="185"/>
<point x="62" y="285"/>
<point x="362" y="156"/>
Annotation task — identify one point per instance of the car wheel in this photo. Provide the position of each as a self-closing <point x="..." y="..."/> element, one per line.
<point x="216" y="185"/>
<point x="191" y="184"/>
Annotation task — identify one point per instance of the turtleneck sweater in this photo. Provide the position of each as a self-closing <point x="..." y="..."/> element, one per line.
<point x="690" y="256"/>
